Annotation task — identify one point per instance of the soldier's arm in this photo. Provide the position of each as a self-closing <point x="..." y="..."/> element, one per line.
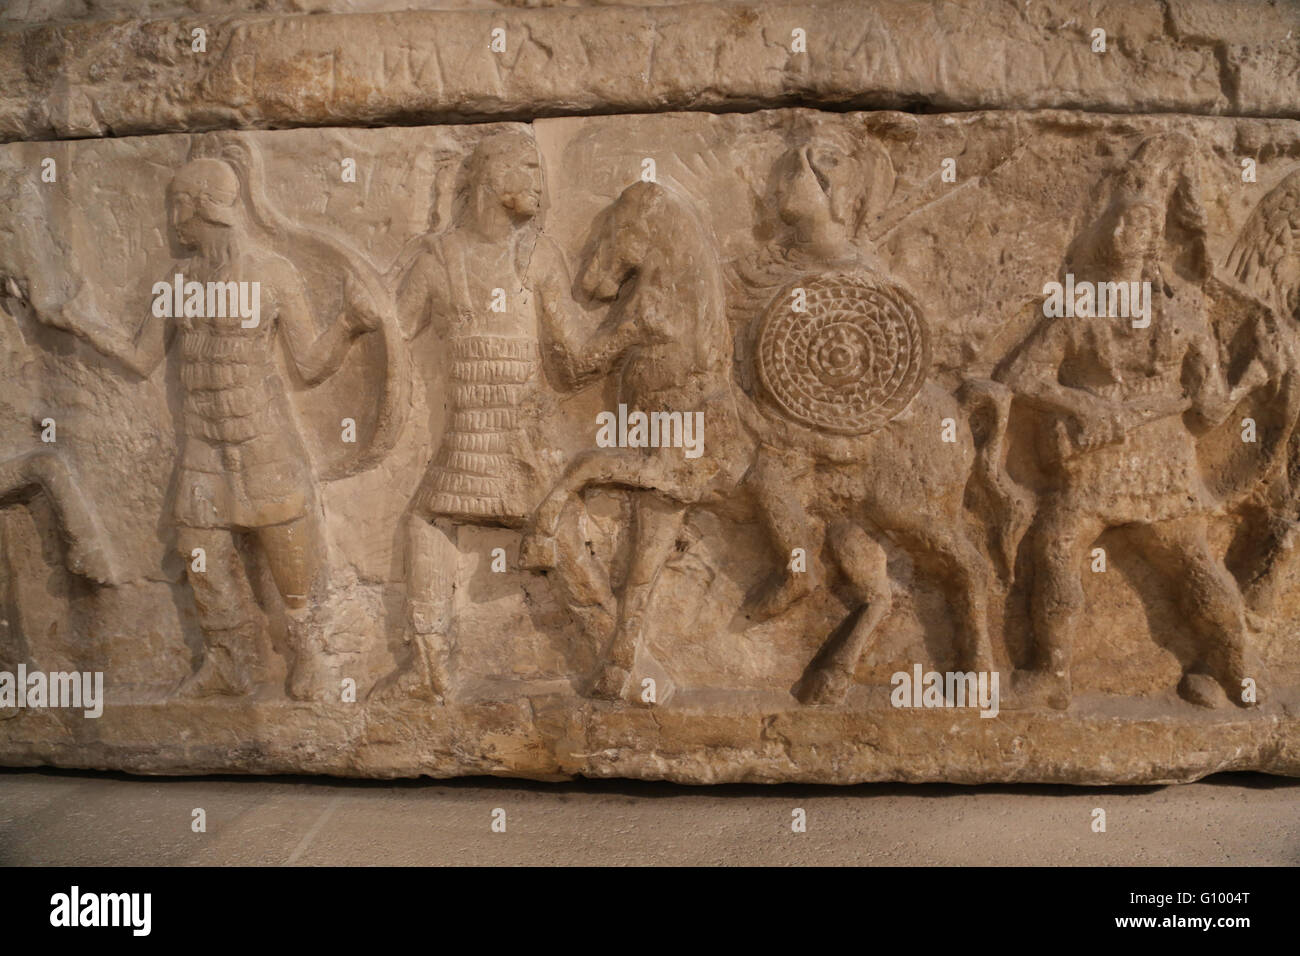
<point x="1212" y="400"/>
<point x="316" y="357"/>
<point x="578" y="362"/>
<point x="1033" y="373"/>
<point x="416" y="297"/>
<point x="81" y="316"/>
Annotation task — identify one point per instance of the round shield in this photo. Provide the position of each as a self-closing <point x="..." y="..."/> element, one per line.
<point x="844" y="356"/>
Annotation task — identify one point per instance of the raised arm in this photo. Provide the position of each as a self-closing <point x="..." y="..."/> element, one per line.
<point x="317" y="357"/>
<point x="81" y="316"/>
<point x="1033" y="373"/>
<point x="578" y="362"/>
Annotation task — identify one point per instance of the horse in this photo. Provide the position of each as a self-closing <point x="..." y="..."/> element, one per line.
<point x="667" y="336"/>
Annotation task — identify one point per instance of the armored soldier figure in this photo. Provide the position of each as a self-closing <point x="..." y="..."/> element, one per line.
<point x="819" y="193"/>
<point x="467" y="283"/>
<point x="243" y="468"/>
<point x="1124" y="403"/>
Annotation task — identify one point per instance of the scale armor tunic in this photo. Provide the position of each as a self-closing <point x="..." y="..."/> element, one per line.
<point x="243" y="463"/>
<point x="482" y="466"/>
<point x="1153" y="473"/>
<point x="484" y="470"/>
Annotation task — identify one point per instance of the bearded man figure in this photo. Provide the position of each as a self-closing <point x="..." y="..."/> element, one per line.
<point x="1124" y="403"/>
<point x="243" y="468"/>
<point x="468" y="284"/>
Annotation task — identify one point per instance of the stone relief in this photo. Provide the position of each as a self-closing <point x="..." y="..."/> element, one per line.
<point x="515" y="441"/>
<point x="242" y="468"/>
<point x="665" y="340"/>
<point x="461" y="282"/>
<point x="1125" y="404"/>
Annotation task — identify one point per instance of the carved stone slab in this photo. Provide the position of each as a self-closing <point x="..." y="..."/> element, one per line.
<point x="125" y="76"/>
<point x="773" y="446"/>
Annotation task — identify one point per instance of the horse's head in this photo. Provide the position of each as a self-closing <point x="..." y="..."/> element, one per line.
<point x="624" y="238"/>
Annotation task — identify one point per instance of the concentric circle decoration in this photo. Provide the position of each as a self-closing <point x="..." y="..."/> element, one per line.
<point x="851" y="360"/>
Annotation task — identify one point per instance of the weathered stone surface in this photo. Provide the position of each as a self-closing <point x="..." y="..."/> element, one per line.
<point x="662" y="426"/>
<point x="710" y="740"/>
<point x="97" y="78"/>
<point x="278" y="539"/>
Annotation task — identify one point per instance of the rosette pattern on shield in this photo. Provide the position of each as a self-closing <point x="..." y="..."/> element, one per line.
<point x="852" y="360"/>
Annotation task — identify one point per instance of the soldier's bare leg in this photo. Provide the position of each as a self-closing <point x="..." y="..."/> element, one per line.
<point x="1058" y="541"/>
<point x="432" y="590"/>
<point x="227" y="610"/>
<point x="1209" y="597"/>
<point x="431" y="558"/>
<point x="293" y="553"/>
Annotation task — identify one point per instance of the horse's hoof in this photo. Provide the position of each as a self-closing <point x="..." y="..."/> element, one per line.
<point x="650" y="685"/>
<point x="93" y="563"/>
<point x="772" y="602"/>
<point x="310" y="680"/>
<point x="210" y="681"/>
<point x="406" y="683"/>
<point x="1036" y="688"/>
<point x="823" y="686"/>
<point x="538" y="552"/>
<point x="1202" y="690"/>
<point x="611" y="683"/>
<point x="616" y="683"/>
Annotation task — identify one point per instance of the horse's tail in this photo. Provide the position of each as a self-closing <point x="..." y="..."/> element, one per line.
<point x="1006" y="507"/>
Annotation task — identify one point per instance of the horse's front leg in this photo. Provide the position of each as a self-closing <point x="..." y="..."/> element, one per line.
<point x="864" y="565"/>
<point x="657" y="523"/>
<point x="597" y="466"/>
<point x="538" y="550"/>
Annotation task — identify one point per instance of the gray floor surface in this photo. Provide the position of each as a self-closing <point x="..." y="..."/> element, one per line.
<point x="70" y="818"/>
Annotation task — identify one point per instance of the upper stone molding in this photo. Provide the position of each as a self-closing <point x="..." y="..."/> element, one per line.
<point x="86" y="78"/>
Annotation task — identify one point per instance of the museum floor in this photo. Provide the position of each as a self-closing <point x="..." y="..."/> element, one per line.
<point x="66" y="818"/>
